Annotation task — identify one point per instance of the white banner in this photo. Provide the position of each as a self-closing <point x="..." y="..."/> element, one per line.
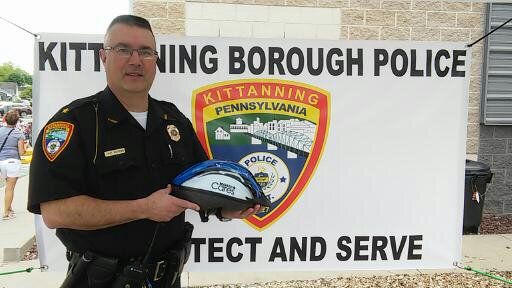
<point x="359" y="144"/>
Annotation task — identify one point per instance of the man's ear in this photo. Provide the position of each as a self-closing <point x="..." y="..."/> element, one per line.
<point x="103" y="56"/>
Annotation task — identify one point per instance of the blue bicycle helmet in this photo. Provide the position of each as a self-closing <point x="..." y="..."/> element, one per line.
<point x="215" y="184"/>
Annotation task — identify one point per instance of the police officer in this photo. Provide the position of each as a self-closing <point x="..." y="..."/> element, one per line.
<point x="102" y="165"/>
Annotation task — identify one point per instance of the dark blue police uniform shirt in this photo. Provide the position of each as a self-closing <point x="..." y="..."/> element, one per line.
<point x="110" y="156"/>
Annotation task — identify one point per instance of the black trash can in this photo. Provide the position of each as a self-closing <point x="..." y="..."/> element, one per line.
<point x="478" y="175"/>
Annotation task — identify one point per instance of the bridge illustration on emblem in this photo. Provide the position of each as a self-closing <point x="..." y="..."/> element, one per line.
<point x="275" y="128"/>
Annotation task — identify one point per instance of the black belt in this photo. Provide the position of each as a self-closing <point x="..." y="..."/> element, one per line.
<point x="156" y="269"/>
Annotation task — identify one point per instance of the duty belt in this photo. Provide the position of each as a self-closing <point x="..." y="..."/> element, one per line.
<point x="100" y="271"/>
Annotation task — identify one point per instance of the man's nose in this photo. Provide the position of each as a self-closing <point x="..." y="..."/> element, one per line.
<point x="135" y="58"/>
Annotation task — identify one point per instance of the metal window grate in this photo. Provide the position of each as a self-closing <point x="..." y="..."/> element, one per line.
<point x="497" y="70"/>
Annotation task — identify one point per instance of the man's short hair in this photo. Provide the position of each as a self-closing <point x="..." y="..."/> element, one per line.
<point x="131" y="20"/>
<point x="12" y="117"/>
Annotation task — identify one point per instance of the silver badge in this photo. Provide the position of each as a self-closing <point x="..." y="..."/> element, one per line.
<point x="174" y="133"/>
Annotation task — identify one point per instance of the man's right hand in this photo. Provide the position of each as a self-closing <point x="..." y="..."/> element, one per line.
<point x="162" y="207"/>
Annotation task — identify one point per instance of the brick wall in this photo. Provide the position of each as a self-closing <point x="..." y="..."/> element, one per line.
<point x="166" y="17"/>
<point x="496" y="151"/>
<point x="262" y="21"/>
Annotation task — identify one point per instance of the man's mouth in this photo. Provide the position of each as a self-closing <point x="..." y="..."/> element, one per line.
<point x="134" y="74"/>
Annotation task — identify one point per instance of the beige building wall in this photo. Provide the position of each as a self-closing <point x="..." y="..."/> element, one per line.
<point x="358" y="20"/>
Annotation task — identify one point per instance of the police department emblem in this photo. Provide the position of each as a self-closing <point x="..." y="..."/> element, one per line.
<point x="56" y="136"/>
<point x="270" y="172"/>
<point x="53" y="146"/>
<point x="277" y="129"/>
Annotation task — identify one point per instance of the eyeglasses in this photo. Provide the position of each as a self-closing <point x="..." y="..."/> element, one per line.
<point x="126" y="52"/>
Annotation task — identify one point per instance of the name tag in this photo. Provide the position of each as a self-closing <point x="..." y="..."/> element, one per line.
<point x="114" y="152"/>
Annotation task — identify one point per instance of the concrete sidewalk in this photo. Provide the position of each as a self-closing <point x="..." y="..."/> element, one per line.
<point x="483" y="252"/>
<point x="16" y="235"/>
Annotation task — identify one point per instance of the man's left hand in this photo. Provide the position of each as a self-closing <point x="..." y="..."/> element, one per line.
<point x="242" y="214"/>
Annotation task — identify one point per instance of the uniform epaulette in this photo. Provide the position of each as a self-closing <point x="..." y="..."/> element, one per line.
<point x="171" y="108"/>
<point x="80" y="102"/>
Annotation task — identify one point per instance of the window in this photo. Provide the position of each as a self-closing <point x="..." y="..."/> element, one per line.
<point x="497" y="70"/>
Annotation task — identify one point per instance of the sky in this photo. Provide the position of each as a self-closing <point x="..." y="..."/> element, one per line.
<point x="53" y="16"/>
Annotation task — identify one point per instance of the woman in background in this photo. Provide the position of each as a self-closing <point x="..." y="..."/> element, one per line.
<point x="12" y="145"/>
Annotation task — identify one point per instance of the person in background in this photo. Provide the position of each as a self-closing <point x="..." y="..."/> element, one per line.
<point x="12" y="145"/>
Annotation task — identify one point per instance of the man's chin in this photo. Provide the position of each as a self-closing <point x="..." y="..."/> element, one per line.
<point x="138" y="88"/>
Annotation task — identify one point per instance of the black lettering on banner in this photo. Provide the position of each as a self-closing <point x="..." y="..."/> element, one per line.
<point x="172" y="59"/>
<point x="359" y="247"/>
<point x="356" y="248"/>
<point x="336" y="69"/>
<point x="313" y="251"/>
<point x="278" y="250"/>
<point x="381" y="58"/>
<point x="458" y="62"/>
<point x="160" y="61"/>
<point x="400" y="56"/>
<point x="414" y="71"/>
<point x="46" y="55"/>
<point x="236" y="60"/>
<point x="413" y="246"/>
<point x="63" y="56"/>
<point x="262" y="60"/>
<point x="213" y="248"/>
<point x="276" y="60"/>
<point x="437" y="63"/>
<point x="376" y="247"/>
<point x="252" y="241"/>
<point x="344" y="248"/>
<point x="197" y="242"/>
<point x="289" y="61"/>
<point x="397" y="252"/>
<point x="213" y="63"/>
<point x="379" y="245"/>
<point x="317" y="249"/>
<point x="190" y="59"/>
<point x="335" y="60"/>
<point x="95" y="47"/>
<point x="229" y="249"/>
<point x="300" y="250"/>
<point x="320" y="62"/>
<point x="429" y="63"/>
<point x="78" y="47"/>
<point x="351" y="61"/>
<point x="405" y="62"/>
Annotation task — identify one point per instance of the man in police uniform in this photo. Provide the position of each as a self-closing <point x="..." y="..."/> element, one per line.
<point x="102" y="165"/>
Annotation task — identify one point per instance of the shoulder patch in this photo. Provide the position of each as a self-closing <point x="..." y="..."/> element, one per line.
<point x="56" y="136"/>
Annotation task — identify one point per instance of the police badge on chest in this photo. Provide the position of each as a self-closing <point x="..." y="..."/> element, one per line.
<point x="174" y="134"/>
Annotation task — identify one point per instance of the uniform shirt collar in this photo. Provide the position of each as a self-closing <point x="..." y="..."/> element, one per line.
<point x="115" y="112"/>
<point x="112" y="109"/>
